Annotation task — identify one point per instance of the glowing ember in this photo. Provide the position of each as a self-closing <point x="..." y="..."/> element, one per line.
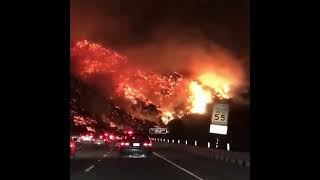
<point x="91" y="129"/>
<point x="91" y="58"/>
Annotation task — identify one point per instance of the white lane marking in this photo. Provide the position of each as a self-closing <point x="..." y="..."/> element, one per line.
<point x="89" y="168"/>
<point x="178" y="166"/>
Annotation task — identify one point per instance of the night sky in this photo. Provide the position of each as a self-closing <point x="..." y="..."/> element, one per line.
<point x="123" y="24"/>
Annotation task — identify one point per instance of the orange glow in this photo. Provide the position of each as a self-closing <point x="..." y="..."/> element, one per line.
<point x="147" y="94"/>
<point x="91" y="58"/>
<point x="220" y="85"/>
<point x="200" y="98"/>
<point x="166" y="117"/>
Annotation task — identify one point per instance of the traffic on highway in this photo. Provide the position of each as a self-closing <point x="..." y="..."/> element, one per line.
<point x="133" y="155"/>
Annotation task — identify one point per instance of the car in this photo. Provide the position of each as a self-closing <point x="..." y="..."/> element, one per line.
<point x="100" y="139"/>
<point x="112" y="138"/>
<point x="135" y="146"/>
<point x="86" y="138"/>
<point x="72" y="148"/>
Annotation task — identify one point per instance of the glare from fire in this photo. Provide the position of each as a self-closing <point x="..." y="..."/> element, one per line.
<point x="151" y="95"/>
<point x="200" y="97"/>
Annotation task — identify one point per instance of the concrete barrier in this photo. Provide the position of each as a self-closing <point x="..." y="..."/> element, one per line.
<point x="239" y="158"/>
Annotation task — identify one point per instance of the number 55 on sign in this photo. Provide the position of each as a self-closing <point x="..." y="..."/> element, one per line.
<point x="219" y="119"/>
<point x="220" y="114"/>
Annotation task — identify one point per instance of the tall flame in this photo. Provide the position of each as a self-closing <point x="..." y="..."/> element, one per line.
<point x="220" y="85"/>
<point x="200" y="98"/>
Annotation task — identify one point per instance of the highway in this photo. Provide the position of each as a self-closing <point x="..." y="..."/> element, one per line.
<point x="101" y="163"/>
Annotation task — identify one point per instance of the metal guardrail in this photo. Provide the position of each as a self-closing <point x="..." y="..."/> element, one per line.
<point x="239" y="158"/>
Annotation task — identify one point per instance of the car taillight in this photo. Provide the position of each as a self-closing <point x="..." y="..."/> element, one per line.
<point x="111" y="137"/>
<point x="124" y="144"/>
<point x="147" y="144"/>
<point x="100" y="137"/>
<point x="71" y="145"/>
<point x="130" y="132"/>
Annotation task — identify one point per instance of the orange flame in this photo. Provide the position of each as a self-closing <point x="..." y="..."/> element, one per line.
<point x="220" y="85"/>
<point x="200" y="98"/>
<point x="166" y="117"/>
<point x="169" y="93"/>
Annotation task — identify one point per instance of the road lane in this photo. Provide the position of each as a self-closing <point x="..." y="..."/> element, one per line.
<point x="204" y="167"/>
<point x="115" y="168"/>
<point x="86" y="156"/>
<point x="103" y="163"/>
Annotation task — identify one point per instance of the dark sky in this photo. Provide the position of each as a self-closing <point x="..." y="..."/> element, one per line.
<point x="121" y="23"/>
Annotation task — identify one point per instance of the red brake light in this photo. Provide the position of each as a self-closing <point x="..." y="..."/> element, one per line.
<point x="130" y="132"/>
<point x="147" y="144"/>
<point x="124" y="144"/>
<point x="111" y="137"/>
<point x="100" y="136"/>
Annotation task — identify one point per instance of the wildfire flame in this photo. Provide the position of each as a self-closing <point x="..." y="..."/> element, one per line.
<point x="200" y="98"/>
<point x="153" y="95"/>
<point x="167" y="117"/>
<point x="219" y="84"/>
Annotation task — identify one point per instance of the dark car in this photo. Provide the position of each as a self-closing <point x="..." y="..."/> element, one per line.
<point x="135" y="146"/>
<point x="72" y="148"/>
<point x="100" y="139"/>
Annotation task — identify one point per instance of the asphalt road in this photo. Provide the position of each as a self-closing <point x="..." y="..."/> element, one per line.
<point x="101" y="163"/>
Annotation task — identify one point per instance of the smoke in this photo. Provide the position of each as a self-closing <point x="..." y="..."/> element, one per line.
<point x="193" y="55"/>
<point x="125" y="23"/>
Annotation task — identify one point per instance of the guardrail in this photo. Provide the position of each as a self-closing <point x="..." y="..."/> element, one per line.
<point x="239" y="158"/>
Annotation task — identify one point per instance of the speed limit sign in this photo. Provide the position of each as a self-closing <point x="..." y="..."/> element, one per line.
<point x="219" y="119"/>
<point x="220" y="114"/>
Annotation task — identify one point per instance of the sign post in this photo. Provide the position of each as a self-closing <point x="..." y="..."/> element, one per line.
<point x="219" y="121"/>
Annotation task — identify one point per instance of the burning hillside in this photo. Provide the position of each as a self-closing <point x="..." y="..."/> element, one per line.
<point x="146" y="94"/>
